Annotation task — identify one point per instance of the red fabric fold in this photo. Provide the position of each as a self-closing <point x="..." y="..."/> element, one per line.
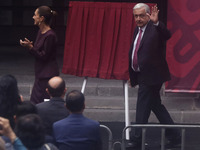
<point x="98" y="38"/>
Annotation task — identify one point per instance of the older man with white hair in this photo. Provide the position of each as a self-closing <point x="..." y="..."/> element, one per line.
<point x="148" y="68"/>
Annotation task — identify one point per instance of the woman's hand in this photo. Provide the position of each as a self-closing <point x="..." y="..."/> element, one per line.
<point x="26" y="43"/>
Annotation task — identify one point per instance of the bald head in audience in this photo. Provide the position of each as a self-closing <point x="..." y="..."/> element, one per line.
<point x="56" y="87"/>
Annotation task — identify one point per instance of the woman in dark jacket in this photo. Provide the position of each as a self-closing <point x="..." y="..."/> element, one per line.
<point x="44" y="50"/>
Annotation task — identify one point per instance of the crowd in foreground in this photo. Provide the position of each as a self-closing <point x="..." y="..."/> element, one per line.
<point x="55" y="124"/>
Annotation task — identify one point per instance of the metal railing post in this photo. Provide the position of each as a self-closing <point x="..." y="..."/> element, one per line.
<point x="182" y="139"/>
<point x="127" y="120"/>
<point x="143" y="138"/>
<point x="110" y="136"/>
<point x="163" y="139"/>
<point x="84" y="85"/>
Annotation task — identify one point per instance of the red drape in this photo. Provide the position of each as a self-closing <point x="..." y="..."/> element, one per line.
<point x="98" y="38"/>
<point x="183" y="50"/>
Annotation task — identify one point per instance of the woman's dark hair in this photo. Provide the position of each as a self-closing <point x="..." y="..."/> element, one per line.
<point x="9" y="97"/>
<point x="75" y="101"/>
<point x="25" y="108"/>
<point x="31" y="131"/>
<point x="48" y="14"/>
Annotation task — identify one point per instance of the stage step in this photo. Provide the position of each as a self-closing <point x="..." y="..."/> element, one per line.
<point x="104" y="98"/>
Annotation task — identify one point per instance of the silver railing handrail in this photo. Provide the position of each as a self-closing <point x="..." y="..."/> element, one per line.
<point x="163" y="127"/>
<point x="110" y="136"/>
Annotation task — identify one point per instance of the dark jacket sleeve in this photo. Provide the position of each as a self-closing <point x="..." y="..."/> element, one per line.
<point x="162" y="29"/>
<point x="49" y="47"/>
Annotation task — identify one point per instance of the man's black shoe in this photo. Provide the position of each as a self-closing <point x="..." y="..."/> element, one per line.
<point x="173" y="143"/>
<point x="172" y="146"/>
<point x="132" y="145"/>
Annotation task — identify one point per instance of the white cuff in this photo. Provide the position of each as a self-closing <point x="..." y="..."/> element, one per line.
<point x="156" y="24"/>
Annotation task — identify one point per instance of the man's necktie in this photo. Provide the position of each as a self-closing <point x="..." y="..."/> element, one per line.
<point x="135" y="61"/>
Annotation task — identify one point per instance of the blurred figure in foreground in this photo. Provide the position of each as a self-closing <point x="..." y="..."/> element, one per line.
<point x="30" y="131"/>
<point x="9" y="97"/>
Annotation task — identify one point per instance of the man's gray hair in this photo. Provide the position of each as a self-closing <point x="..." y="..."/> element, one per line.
<point x="140" y="5"/>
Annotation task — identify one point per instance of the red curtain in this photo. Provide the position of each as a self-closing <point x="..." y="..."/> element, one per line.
<point x="98" y="38"/>
<point x="183" y="50"/>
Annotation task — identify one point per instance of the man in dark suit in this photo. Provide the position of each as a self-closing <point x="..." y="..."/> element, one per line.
<point x="76" y="131"/>
<point x="54" y="109"/>
<point x="148" y="68"/>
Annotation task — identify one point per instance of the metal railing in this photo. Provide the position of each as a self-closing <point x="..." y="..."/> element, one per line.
<point x="163" y="128"/>
<point x="110" y="136"/>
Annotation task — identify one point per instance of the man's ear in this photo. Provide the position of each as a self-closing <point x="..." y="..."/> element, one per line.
<point x="15" y="118"/>
<point x="65" y="90"/>
<point x="66" y="106"/>
<point x="148" y="15"/>
<point x="48" y="91"/>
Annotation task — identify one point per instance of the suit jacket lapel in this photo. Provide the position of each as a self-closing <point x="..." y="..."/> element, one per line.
<point x="135" y="34"/>
<point x="146" y="32"/>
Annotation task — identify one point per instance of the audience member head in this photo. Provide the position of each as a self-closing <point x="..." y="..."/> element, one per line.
<point x="75" y="101"/>
<point x="46" y="16"/>
<point x="9" y="97"/>
<point x="56" y="87"/>
<point x="25" y="108"/>
<point x="30" y="130"/>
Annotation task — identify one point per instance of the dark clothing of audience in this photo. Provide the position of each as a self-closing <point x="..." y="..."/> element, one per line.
<point x="77" y="132"/>
<point x="30" y="130"/>
<point x="9" y="97"/>
<point x="52" y="111"/>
